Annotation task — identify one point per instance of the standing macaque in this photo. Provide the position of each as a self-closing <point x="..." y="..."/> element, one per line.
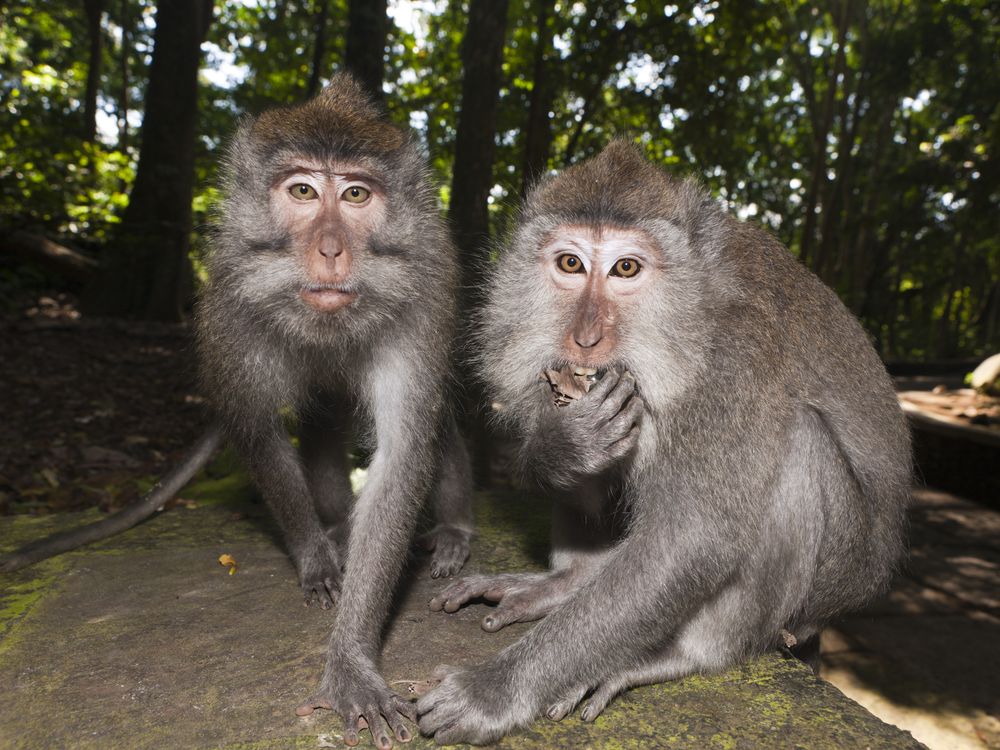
<point x="331" y="291"/>
<point x="729" y="465"/>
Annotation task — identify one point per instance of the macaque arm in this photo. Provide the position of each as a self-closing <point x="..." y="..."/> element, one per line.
<point x="163" y="491"/>
<point x="407" y="413"/>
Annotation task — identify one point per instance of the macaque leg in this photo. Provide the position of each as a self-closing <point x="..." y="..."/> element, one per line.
<point x="323" y="442"/>
<point x="277" y="470"/>
<point x="451" y="502"/>
<point x="580" y="540"/>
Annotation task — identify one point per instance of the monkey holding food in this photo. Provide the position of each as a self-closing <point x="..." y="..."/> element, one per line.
<point x="730" y="472"/>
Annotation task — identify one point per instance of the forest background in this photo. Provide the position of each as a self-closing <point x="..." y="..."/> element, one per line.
<point x="864" y="134"/>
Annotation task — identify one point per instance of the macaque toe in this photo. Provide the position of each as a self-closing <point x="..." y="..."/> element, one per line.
<point x="563" y="708"/>
<point x="502" y="616"/>
<point x="597" y="702"/>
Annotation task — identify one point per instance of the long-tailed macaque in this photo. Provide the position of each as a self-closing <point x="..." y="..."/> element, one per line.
<point x="331" y="290"/>
<point x="729" y="465"/>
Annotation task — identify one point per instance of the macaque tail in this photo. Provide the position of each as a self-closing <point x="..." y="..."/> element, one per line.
<point x="161" y="493"/>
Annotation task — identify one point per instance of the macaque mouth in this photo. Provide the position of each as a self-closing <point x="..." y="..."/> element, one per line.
<point x="327" y="297"/>
<point x="571" y="382"/>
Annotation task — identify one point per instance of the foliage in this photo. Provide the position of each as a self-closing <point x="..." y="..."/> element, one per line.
<point x="865" y="134"/>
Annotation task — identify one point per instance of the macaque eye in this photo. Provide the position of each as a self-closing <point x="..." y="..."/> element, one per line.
<point x="303" y="192"/>
<point x="356" y="194"/>
<point x="626" y="268"/>
<point x="569" y="263"/>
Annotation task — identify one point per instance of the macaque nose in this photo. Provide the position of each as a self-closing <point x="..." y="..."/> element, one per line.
<point x="331" y="247"/>
<point x="588" y="328"/>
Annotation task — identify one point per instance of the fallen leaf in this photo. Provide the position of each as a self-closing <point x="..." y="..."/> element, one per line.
<point x="49" y="476"/>
<point x="230" y="561"/>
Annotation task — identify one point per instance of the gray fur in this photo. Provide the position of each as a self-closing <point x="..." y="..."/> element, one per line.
<point x="378" y="368"/>
<point x="767" y="486"/>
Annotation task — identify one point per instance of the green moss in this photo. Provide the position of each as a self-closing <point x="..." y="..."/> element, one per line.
<point x="20" y="592"/>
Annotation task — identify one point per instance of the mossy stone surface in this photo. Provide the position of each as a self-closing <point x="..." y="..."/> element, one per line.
<point x="146" y="641"/>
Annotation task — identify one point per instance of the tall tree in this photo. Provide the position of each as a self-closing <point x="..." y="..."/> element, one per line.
<point x="146" y="271"/>
<point x="538" y="128"/>
<point x="472" y="176"/>
<point x="367" y="30"/>
<point x="319" y="47"/>
<point x="94" y="10"/>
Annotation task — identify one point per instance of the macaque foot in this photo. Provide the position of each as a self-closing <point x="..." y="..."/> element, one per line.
<point x="450" y="548"/>
<point x="319" y="571"/>
<point x="521" y="597"/>
<point x="356" y="693"/>
<point x="478" y="706"/>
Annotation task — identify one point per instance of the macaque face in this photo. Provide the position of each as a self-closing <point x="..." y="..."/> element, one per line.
<point x="330" y="212"/>
<point x="600" y="275"/>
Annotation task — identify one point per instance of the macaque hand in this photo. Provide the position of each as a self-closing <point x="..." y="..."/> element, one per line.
<point x="354" y="690"/>
<point x="477" y="705"/>
<point x="587" y="436"/>
<point x="319" y="570"/>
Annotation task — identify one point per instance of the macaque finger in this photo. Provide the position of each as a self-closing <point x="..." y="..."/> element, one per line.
<point x="618" y="396"/>
<point x="623" y="422"/>
<point x="378" y="727"/>
<point x="390" y="711"/>
<point x="603" y="386"/>
<point x="404" y="707"/>
<point x="623" y="447"/>
<point x="351" y="721"/>
<point x="305" y="709"/>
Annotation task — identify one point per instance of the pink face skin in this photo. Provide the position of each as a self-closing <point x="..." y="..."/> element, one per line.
<point x="601" y="271"/>
<point x="330" y="211"/>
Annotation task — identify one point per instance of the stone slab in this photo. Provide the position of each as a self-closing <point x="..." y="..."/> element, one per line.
<point x="145" y="641"/>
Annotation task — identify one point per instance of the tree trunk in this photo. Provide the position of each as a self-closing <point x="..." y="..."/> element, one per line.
<point x="146" y="272"/>
<point x="94" y="10"/>
<point x="822" y="122"/>
<point x="123" y="62"/>
<point x="319" y="48"/>
<point x="367" y="30"/>
<point x="472" y="175"/>
<point x="538" y="129"/>
<point x="472" y="178"/>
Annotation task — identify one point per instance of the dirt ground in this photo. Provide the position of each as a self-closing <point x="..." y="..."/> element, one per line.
<point x="90" y="407"/>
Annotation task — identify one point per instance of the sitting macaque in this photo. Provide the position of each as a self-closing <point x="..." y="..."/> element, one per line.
<point x="727" y="460"/>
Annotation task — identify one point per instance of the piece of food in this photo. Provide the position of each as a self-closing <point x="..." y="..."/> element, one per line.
<point x="570" y="383"/>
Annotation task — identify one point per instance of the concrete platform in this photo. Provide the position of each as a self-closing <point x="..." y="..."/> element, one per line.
<point x="145" y="641"/>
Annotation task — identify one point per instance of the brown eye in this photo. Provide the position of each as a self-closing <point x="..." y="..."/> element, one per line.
<point x="626" y="268"/>
<point x="356" y="194"/>
<point x="303" y="192"/>
<point x="569" y="263"/>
